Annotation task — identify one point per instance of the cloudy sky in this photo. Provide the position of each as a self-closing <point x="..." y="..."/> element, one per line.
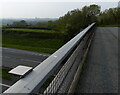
<point x="45" y="9"/>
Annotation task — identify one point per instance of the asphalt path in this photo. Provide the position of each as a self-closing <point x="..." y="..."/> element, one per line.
<point x="100" y="72"/>
<point x="14" y="57"/>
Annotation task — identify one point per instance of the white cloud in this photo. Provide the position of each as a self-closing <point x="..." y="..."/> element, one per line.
<point x="60" y="0"/>
<point x="44" y="9"/>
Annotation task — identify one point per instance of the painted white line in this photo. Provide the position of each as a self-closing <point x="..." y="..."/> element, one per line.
<point x="55" y="56"/>
<point x="28" y="53"/>
<point x="43" y="55"/>
<point x="4" y="85"/>
<point x="31" y="60"/>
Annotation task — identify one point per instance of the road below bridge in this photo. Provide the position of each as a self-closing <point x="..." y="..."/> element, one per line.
<point x="100" y="72"/>
<point x="14" y="57"/>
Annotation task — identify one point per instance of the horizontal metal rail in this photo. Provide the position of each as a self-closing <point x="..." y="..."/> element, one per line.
<point x="32" y="82"/>
<point x="67" y="72"/>
<point x="66" y="75"/>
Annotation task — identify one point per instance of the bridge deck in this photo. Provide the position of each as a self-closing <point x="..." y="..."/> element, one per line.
<point x="100" y="73"/>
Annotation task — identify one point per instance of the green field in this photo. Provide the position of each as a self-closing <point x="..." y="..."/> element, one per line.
<point x="31" y="30"/>
<point x="35" y="33"/>
<point x="21" y="41"/>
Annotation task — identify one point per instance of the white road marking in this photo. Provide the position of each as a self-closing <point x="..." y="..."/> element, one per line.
<point x="4" y="85"/>
<point x="55" y="56"/>
<point x="44" y="55"/>
<point x="31" y="60"/>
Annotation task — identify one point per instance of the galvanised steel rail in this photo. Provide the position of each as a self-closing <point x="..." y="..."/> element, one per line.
<point x="32" y="82"/>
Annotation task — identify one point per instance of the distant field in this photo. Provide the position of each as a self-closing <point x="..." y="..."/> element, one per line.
<point x="33" y="43"/>
<point x="31" y="30"/>
<point x="35" y="33"/>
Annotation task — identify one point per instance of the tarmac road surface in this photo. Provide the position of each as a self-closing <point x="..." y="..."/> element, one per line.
<point x="14" y="57"/>
<point x="100" y="72"/>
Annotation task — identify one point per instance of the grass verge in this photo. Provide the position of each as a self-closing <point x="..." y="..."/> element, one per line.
<point x="4" y="74"/>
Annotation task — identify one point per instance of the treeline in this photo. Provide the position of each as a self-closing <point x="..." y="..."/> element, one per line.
<point x="23" y="24"/>
<point x="71" y="23"/>
<point x="109" y="17"/>
<point x="77" y="19"/>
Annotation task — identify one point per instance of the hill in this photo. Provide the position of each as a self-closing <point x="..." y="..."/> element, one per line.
<point x="33" y="21"/>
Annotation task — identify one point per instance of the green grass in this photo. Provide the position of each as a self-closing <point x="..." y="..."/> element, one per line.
<point x="4" y="74"/>
<point x="32" y="44"/>
<point x="31" y="30"/>
<point x="35" y="33"/>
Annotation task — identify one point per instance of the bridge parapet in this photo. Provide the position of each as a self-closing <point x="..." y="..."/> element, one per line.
<point x="35" y="79"/>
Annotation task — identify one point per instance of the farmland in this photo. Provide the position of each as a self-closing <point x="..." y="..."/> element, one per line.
<point x="46" y="41"/>
<point x="30" y="30"/>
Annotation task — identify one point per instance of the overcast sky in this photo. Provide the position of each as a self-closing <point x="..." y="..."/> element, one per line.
<point x="45" y="9"/>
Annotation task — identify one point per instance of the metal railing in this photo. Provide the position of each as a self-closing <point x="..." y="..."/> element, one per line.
<point x="67" y="72"/>
<point x="32" y="82"/>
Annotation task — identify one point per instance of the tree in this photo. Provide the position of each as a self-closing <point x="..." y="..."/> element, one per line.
<point x="90" y="14"/>
<point x="20" y="24"/>
<point x="77" y="19"/>
<point x="109" y="17"/>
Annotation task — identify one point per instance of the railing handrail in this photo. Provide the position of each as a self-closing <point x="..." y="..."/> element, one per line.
<point x="32" y="82"/>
